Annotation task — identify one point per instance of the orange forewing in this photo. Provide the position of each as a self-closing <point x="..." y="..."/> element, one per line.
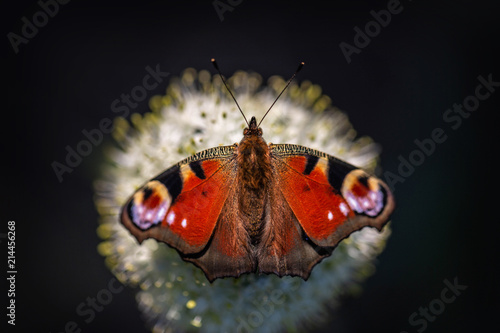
<point x="197" y="193"/>
<point x="198" y="206"/>
<point x="319" y="207"/>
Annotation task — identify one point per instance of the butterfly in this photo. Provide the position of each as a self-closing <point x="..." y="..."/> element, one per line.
<point x="255" y="207"/>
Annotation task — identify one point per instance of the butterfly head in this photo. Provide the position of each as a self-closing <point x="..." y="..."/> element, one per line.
<point x="253" y="129"/>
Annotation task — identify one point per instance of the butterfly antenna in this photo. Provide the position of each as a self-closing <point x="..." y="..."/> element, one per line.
<point x="289" y="81"/>
<point x="225" y="84"/>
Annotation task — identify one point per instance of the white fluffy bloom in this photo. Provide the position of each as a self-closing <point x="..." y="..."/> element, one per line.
<point x="196" y="114"/>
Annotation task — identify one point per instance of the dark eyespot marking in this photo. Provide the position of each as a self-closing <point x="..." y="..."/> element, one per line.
<point x="148" y="206"/>
<point x="364" y="194"/>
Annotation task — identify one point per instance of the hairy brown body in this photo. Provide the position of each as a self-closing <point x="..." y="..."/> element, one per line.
<point x="254" y="173"/>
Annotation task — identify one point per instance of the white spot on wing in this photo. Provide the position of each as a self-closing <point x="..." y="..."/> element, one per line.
<point x="353" y="203"/>
<point x="170" y="218"/>
<point x="149" y="216"/>
<point x="365" y="203"/>
<point x="343" y="208"/>
<point x="184" y="223"/>
<point x="161" y="212"/>
<point x="330" y="215"/>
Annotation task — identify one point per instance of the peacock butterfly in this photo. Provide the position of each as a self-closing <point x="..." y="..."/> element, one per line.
<point x="257" y="207"/>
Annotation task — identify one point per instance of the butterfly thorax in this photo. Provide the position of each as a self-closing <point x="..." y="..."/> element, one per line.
<point x="254" y="173"/>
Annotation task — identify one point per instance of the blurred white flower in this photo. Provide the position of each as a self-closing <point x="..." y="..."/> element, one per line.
<point x="195" y="114"/>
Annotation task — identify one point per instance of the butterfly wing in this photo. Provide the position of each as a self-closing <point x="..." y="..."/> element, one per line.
<point x="314" y="202"/>
<point x="229" y="252"/>
<point x="284" y="249"/>
<point x="184" y="206"/>
<point x="326" y="198"/>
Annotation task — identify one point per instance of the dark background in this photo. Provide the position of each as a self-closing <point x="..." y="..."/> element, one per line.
<point x="396" y="90"/>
